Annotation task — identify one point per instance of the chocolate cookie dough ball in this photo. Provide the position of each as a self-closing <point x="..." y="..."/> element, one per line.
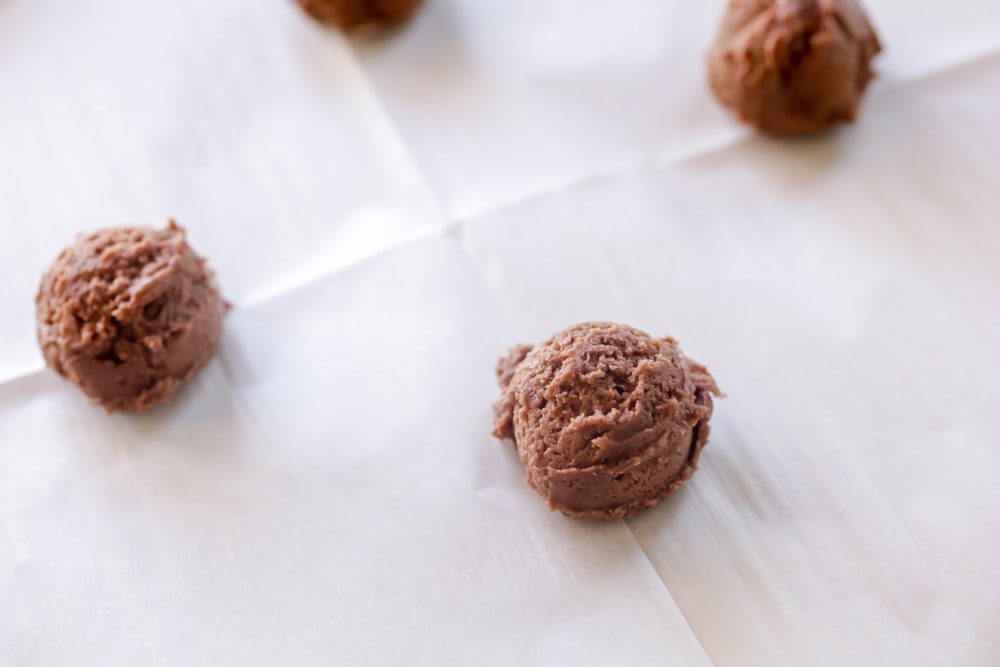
<point x="793" y="67"/>
<point x="129" y="314"/>
<point x="349" y="15"/>
<point x="607" y="420"/>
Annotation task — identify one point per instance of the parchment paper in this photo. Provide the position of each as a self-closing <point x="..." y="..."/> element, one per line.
<point x="388" y="216"/>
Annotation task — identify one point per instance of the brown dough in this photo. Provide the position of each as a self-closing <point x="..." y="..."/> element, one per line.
<point x="129" y="314"/>
<point x="607" y="420"/>
<point x="793" y="67"/>
<point x="349" y="15"/>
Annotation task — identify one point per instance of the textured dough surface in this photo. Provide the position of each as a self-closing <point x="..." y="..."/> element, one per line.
<point x="793" y="67"/>
<point x="607" y="420"/>
<point x="352" y="14"/>
<point x="129" y="314"/>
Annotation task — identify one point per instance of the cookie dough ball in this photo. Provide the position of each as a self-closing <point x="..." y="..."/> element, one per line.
<point x="793" y="67"/>
<point x="129" y="314"/>
<point x="607" y="420"/>
<point x="349" y="15"/>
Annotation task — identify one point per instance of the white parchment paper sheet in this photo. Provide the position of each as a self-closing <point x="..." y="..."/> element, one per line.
<point x="388" y="217"/>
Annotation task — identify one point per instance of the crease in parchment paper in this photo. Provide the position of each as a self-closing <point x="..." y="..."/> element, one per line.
<point x="21" y="376"/>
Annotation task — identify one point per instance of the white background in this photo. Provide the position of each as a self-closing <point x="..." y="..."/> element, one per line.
<point x="388" y="216"/>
